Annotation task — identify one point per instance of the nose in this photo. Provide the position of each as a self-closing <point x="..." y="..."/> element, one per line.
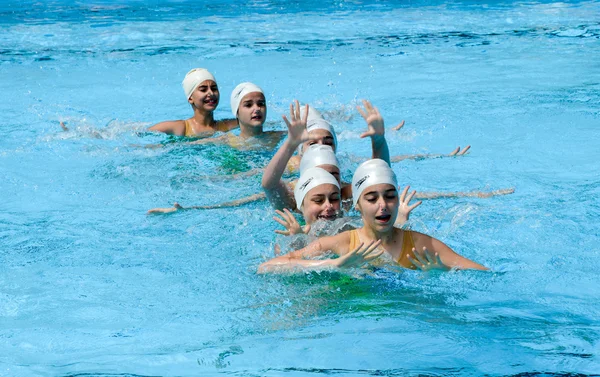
<point x="328" y="204"/>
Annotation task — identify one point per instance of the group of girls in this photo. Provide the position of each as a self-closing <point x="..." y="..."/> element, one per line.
<point x="319" y="194"/>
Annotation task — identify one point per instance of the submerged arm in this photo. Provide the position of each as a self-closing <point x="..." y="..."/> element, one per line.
<point x="171" y="127"/>
<point x="295" y="261"/>
<point x="464" y="194"/>
<point x="234" y="203"/>
<point x="431" y="253"/>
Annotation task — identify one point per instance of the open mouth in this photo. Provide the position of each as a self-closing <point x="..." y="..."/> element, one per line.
<point x="211" y="101"/>
<point x="383" y="218"/>
<point x="257" y="117"/>
<point x="329" y="217"/>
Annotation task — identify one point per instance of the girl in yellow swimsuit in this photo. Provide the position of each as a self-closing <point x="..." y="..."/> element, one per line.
<point x="376" y="198"/>
<point x="202" y="93"/>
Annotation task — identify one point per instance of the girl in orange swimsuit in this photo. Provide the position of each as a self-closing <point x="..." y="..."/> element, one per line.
<point x="202" y="93"/>
<point x="376" y="198"/>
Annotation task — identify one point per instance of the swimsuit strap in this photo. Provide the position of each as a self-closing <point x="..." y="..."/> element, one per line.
<point x="188" y="128"/>
<point x="354" y="240"/>
<point x="408" y="243"/>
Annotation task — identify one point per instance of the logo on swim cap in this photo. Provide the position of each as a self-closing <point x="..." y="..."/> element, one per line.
<point x="361" y="181"/>
<point x="303" y="186"/>
<point x="239" y="92"/>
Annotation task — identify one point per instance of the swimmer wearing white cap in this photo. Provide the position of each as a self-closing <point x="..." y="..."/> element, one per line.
<point x="249" y="107"/>
<point x="202" y="93"/>
<point x="307" y="129"/>
<point x="377" y="200"/>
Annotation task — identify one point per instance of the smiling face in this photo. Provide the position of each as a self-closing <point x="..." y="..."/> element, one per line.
<point x="252" y="111"/>
<point x="378" y="205"/>
<point x="206" y="96"/>
<point x="321" y="136"/>
<point x="321" y="202"/>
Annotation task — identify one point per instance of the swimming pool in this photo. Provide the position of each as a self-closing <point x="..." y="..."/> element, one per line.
<point x="91" y="285"/>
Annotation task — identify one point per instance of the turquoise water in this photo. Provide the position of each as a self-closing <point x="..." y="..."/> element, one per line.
<point x="91" y="285"/>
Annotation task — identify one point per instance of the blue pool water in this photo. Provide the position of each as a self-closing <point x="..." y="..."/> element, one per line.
<point x="91" y="285"/>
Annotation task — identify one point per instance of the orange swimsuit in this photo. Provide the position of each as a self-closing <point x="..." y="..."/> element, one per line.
<point x="407" y="245"/>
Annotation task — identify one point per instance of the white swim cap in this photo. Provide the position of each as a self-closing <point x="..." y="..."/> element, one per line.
<point x="369" y="173"/>
<point x="194" y="78"/>
<point x="313" y="114"/>
<point x="239" y="92"/>
<point x="310" y="179"/>
<point x="316" y="155"/>
<point x="320" y="124"/>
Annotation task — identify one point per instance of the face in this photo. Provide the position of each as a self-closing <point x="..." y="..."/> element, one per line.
<point x="321" y="202"/>
<point x="321" y="136"/>
<point x="333" y="170"/>
<point x="206" y="96"/>
<point x="252" y="110"/>
<point x="378" y="205"/>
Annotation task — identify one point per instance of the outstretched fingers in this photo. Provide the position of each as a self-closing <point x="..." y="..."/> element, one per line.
<point x="464" y="151"/>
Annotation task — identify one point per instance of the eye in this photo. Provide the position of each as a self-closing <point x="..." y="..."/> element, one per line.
<point x="262" y="104"/>
<point x="318" y="201"/>
<point x="214" y="88"/>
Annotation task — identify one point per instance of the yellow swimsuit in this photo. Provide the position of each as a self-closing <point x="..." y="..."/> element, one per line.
<point x="188" y="129"/>
<point x="407" y="245"/>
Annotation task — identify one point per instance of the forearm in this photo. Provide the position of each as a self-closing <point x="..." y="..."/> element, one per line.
<point x="274" y="171"/>
<point x="380" y="148"/>
<point x="280" y="196"/>
<point x="289" y="264"/>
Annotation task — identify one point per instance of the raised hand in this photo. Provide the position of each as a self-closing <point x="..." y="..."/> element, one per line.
<point x="458" y="152"/>
<point x="362" y="254"/>
<point x="371" y="115"/>
<point x="398" y="126"/>
<point x="296" y="125"/>
<point x="290" y="223"/>
<point x="405" y="207"/>
<point x="427" y="261"/>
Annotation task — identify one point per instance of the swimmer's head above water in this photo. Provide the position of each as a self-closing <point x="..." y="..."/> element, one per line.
<point x="317" y="195"/>
<point x="375" y="194"/>
<point x="201" y="90"/>
<point x="322" y="156"/>
<point x="248" y="104"/>
<point x="320" y="129"/>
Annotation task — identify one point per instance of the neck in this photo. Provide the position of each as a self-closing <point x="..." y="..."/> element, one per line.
<point x="249" y="131"/>
<point x="385" y="236"/>
<point x="204" y="118"/>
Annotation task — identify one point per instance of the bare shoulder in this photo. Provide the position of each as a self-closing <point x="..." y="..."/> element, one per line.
<point x="433" y="244"/>
<point x="339" y="243"/>
<point x="171" y="127"/>
<point x="225" y="125"/>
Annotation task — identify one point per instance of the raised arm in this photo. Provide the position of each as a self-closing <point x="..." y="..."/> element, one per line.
<point x="278" y="193"/>
<point x="375" y="130"/>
